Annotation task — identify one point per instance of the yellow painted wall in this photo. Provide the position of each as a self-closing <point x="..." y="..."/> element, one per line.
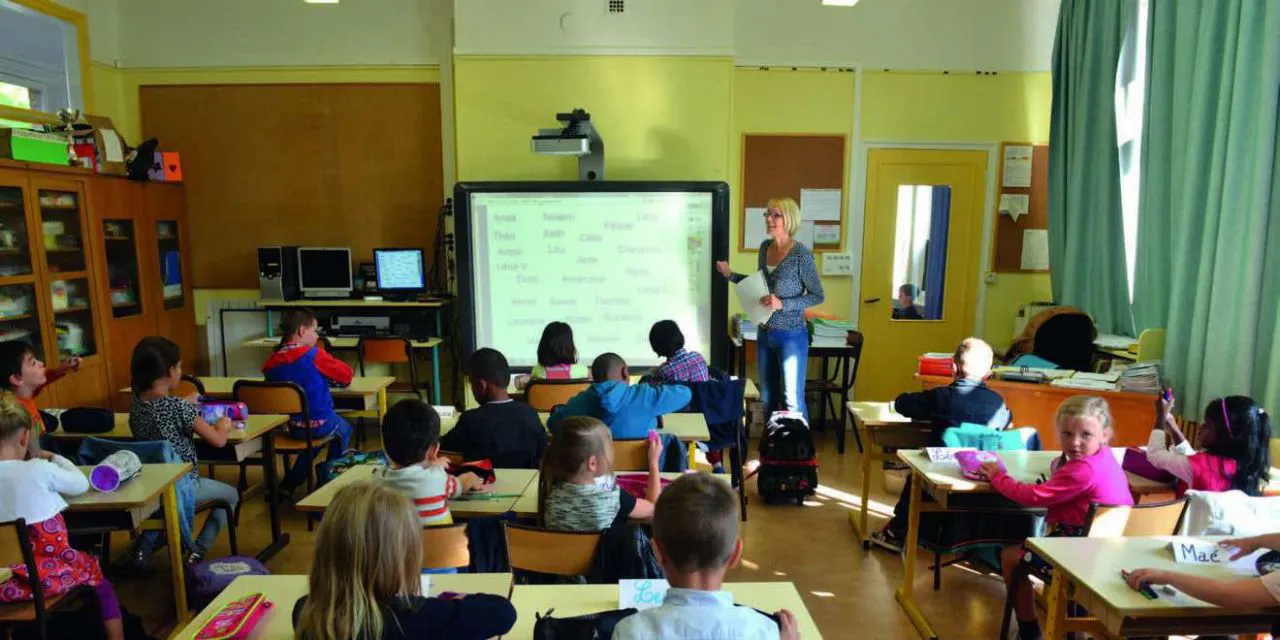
<point x="932" y="107"/>
<point x="785" y="101"/>
<point x="662" y="118"/>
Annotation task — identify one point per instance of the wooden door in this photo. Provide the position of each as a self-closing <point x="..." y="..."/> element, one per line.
<point x="123" y="278"/>
<point x="169" y="250"/>
<point x="22" y="312"/>
<point x="923" y="230"/>
<point x="70" y="300"/>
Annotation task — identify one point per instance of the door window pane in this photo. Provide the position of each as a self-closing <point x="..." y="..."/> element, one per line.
<point x="60" y="228"/>
<point x="19" y="318"/>
<point x="73" y="317"/>
<point x="920" y="251"/>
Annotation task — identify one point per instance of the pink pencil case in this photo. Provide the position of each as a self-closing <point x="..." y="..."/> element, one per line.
<point x="214" y="410"/>
<point x="971" y="463"/>
<point x="636" y="484"/>
<point x="236" y="619"/>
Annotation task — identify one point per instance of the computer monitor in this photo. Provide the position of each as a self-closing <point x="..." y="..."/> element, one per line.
<point x="400" y="270"/>
<point x="324" y="272"/>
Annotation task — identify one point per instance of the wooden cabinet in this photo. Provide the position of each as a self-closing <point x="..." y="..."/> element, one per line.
<point x="90" y="265"/>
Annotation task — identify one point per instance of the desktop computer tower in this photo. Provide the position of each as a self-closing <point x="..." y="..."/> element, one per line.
<point x="278" y="273"/>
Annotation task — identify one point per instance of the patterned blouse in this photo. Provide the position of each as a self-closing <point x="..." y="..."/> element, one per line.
<point x="795" y="280"/>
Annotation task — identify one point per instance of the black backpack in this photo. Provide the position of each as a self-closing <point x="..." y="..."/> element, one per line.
<point x="788" y="459"/>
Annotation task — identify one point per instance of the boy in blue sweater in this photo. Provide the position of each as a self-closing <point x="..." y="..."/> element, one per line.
<point x="631" y="411"/>
<point x="300" y="361"/>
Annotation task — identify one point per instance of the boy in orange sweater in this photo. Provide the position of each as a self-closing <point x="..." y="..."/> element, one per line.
<point x="26" y="376"/>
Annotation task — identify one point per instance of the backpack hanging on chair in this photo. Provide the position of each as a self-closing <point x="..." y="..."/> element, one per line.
<point x="788" y="459"/>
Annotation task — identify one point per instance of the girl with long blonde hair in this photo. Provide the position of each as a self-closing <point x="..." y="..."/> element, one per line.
<point x="365" y="579"/>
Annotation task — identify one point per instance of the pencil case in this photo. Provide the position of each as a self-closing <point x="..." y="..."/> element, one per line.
<point x="236" y="619"/>
<point x="1136" y="462"/>
<point x="214" y="410"/>
<point x="971" y="463"/>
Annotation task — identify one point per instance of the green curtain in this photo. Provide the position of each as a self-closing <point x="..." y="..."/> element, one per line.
<point x="1086" y="223"/>
<point x="1208" y="263"/>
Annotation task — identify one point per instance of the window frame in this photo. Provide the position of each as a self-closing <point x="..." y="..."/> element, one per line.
<point x="81" y="24"/>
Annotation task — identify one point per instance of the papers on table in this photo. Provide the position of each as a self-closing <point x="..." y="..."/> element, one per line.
<point x="1142" y="377"/>
<point x="1112" y="341"/>
<point x="750" y="290"/>
<point x="1084" y="383"/>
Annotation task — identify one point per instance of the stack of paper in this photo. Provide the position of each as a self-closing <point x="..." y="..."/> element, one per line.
<point x="829" y="333"/>
<point x="1112" y="341"/>
<point x="1092" y="384"/>
<point x="1047" y="374"/>
<point x="746" y="329"/>
<point x="1142" y="377"/>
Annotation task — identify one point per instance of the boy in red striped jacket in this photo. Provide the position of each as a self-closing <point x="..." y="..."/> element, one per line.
<point x="411" y="437"/>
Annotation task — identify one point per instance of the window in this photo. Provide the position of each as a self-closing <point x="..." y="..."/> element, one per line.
<point x="1131" y="85"/>
<point x="12" y="95"/>
<point x="40" y="56"/>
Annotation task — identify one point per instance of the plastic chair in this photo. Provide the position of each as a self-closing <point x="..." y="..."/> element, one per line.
<point x="188" y="385"/>
<point x="389" y="350"/>
<point x="16" y="550"/>
<point x="445" y="547"/>
<point x="286" y="398"/>
<point x="545" y="395"/>
<point x="561" y="553"/>
<point x="1151" y="345"/>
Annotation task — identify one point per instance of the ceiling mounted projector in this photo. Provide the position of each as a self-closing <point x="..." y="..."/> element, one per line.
<point x="578" y="138"/>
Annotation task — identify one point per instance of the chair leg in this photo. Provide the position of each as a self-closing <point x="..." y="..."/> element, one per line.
<point x="937" y="570"/>
<point x="233" y="517"/>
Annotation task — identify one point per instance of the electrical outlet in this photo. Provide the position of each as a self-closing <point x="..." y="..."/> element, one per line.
<point x="837" y="264"/>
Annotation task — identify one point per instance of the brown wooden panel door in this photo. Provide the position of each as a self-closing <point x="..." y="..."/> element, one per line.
<point x="124" y="277"/>
<point x="169" y="251"/>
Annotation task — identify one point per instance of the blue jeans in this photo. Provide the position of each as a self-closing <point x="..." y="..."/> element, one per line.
<point x="782" y="355"/>
<point x="206" y="489"/>
<point x="333" y="425"/>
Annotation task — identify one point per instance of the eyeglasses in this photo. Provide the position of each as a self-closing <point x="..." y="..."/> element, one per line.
<point x="771" y="214"/>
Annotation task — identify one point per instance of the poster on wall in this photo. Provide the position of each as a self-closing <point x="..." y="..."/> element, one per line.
<point x="1017" y="166"/>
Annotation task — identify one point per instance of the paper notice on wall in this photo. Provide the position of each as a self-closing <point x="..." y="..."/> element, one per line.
<point x="114" y="152"/>
<point x="1017" y="166"/>
<point x="753" y="228"/>
<point x="820" y="204"/>
<point x="1014" y="205"/>
<point x="826" y="234"/>
<point x="1035" y="249"/>
<point x="806" y="234"/>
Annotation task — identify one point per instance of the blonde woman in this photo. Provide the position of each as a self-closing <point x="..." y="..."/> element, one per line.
<point x="782" y="344"/>
<point x="366" y="578"/>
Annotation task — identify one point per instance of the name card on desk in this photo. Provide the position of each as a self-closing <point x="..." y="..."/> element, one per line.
<point x="445" y="412"/>
<point x="1199" y="553"/>
<point x="641" y="594"/>
<point x="945" y="455"/>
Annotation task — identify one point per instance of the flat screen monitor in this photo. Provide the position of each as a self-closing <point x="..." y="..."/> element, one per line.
<point x="324" y="272"/>
<point x="608" y="258"/>
<point x="400" y="270"/>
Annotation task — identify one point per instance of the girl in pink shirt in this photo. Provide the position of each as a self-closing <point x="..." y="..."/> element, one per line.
<point x="1232" y="447"/>
<point x="1087" y="472"/>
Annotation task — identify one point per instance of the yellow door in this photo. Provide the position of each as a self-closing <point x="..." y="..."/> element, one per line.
<point x="921" y="245"/>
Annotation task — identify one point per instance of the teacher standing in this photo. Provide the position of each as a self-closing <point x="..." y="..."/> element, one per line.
<point x="782" y="344"/>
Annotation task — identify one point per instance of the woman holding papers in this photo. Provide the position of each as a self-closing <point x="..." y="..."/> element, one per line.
<point x="791" y="277"/>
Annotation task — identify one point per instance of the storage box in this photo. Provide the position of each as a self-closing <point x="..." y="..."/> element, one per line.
<point x="936" y="364"/>
<point x="110" y="146"/>
<point x="34" y="146"/>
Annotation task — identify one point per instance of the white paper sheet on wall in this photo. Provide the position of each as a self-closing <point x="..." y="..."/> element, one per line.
<point x="805" y="234"/>
<point x="820" y="204"/>
<point x="1014" y="205"/>
<point x="826" y="234"/>
<point x="1017" y="166"/>
<point x="753" y="228"/>
<point x="1035" y="249"/>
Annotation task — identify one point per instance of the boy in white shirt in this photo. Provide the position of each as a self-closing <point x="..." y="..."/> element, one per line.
<point x="411" y="438"/>
<point x="695" y="535"/>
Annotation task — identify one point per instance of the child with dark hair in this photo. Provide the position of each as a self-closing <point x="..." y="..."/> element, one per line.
<point x="155" y="414"/>
<point x="505" y="431"/>
<point x="681" y="365"/>
<point x="557" y="355"/>
<point x="26" y="376"/>
<point x="301" y="361"/>
<point x="1233" y="448"/>
<point x="411" y="438"/>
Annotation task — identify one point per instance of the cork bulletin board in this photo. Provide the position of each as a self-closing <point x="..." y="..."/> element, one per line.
<point x="802" y="167"/>
<point x="1021" y="238"/>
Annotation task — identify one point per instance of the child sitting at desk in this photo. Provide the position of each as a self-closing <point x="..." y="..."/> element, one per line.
<point x="966" y="400"/>
<point x="26" y="376"/>
<point x="630" y="410"/>
<point x="31" y="488"/>
<point x="1246" y="593"/>
<point x="365" y="578"/>
<point x="695" y="534"/>
<point x="505" y="431"/>
<point x="557" y="355"/>
<point x="577" y="490"/>
<point x="300" y="361"/>
<point x="1233" y="443"/>
<point x="411" y="438"/>
<point x="1087" y="472"/>
<point x="681" y="365"/>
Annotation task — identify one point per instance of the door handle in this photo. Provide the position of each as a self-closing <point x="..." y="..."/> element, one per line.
<point x="871" y="300"/>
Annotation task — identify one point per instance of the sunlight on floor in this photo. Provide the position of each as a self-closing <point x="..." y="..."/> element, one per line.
<point x="747" y="564"/>
<point x="850" y="501"/>
<point x="823" y="594"/>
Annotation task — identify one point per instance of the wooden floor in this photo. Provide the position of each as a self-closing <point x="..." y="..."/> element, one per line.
<point x="848" y="591"/>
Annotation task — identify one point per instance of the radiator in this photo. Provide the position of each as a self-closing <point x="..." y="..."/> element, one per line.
<point x="229" y="323"/>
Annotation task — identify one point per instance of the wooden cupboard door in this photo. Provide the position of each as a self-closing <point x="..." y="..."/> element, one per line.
<point x="123" y="275"/>
<point x="84" y="388"/>
<point x="170" y="254"/>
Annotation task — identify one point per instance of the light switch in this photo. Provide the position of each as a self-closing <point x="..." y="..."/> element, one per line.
<point x="837" y="264"/>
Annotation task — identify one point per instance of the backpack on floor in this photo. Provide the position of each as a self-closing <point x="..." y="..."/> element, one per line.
<point x="788" y="459"/>
<point x="330" y="469"/>
<point x="207" y="579"/>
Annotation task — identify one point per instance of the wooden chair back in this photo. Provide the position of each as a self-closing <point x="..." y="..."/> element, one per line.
<point x="263" y="397"/>
<point x="543" y="395"/>
<point x="630" y="455"/>
<point x="16" y="550"/>
<point x="445" y="547"/>
<point x="1116" y="521"/>
<point x="561" y="553"/>
<point x="189" y="384"/>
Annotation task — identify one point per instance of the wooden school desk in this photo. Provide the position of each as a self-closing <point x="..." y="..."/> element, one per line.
<point x="258" y="436"/>
<point x="371" y="389"/>
<point x="284" y="590"/>
<point x="1089" y="569"/>
<point x="750" y="393"/>
<point x="575" y="600"/>
<point x="511" y="483"/>
<point x="134" y="501"/>
<point x="1036" y="405"/>
<point x="883" y="432"/>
